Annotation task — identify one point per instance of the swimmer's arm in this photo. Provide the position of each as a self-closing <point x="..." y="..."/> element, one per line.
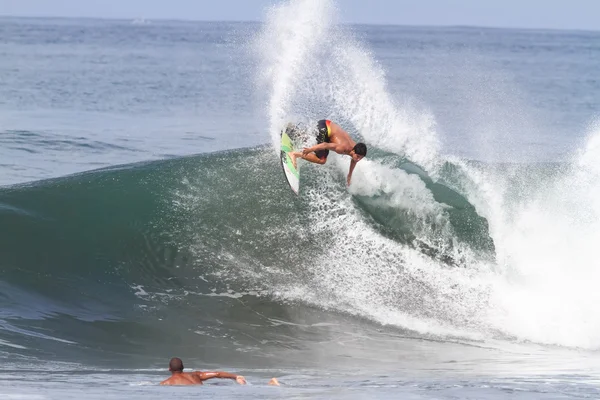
<point x="220" y="374"/>
<point x="352" y="165"/>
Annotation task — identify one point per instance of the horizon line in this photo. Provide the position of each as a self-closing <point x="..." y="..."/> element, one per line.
<point x="133" y="19"/>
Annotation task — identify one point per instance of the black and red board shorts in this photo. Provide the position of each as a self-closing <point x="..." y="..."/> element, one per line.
<point x="323" y="136"/>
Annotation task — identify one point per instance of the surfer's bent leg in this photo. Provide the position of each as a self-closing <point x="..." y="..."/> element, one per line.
<point x="312" y="157"/>
<point x="323" y="136"/>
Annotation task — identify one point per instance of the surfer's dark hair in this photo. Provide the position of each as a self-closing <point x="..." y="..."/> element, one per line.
<point x="360" y="149"/>
<point x="176" y="365"/>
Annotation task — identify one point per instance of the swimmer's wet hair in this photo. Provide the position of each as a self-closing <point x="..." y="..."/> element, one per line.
<point x="176" y="364"/>
<point x="360" y="149"/>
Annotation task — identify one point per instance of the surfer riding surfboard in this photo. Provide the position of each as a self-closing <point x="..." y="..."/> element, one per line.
<point x="330" y="136"/>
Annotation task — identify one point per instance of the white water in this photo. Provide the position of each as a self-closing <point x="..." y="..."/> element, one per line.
<point x="313" y="69"/>
<point x="547" y="249"/>
<point x="543" y="287"/>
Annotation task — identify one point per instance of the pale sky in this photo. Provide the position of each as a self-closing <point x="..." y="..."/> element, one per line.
<point x="556" y="14"/>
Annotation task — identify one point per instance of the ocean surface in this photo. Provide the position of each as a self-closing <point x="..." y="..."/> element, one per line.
<point x="144" y="214"/>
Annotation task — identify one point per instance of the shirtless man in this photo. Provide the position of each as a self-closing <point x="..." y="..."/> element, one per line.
<point x="178" y="377"/>
<point x="330" y="136"/>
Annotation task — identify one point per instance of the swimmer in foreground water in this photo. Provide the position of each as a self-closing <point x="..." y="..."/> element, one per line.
<point x="178" y="377"/>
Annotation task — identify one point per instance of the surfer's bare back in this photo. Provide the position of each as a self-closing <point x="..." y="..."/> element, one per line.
<point x="330" y="136"/>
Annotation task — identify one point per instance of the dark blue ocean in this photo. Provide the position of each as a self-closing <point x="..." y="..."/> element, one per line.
<point x="144" y="214"/>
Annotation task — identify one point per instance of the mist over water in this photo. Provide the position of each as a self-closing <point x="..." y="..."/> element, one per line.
<point x="315" y="68"/>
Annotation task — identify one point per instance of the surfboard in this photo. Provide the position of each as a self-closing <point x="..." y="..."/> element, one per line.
<point x="291" y="173"/>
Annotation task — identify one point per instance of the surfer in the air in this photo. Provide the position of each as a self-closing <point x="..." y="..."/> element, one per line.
<point x="330" y="136"/>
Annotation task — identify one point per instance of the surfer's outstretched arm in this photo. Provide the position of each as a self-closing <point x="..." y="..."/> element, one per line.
<point x="352" y="165"/>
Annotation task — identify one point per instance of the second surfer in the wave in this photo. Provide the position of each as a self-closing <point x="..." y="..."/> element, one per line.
<point x="330" y="136"/>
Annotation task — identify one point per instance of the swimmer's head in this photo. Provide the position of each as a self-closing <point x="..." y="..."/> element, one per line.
<point x="176" y="365"/>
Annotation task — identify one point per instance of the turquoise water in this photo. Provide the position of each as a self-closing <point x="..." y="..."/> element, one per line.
<point x="144" y="215"/>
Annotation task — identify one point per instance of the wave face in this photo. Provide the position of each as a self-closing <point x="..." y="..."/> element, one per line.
<point x="110" y="262"/>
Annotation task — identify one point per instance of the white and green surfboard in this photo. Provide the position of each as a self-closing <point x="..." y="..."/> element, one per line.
<point x="287" y="145"/>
